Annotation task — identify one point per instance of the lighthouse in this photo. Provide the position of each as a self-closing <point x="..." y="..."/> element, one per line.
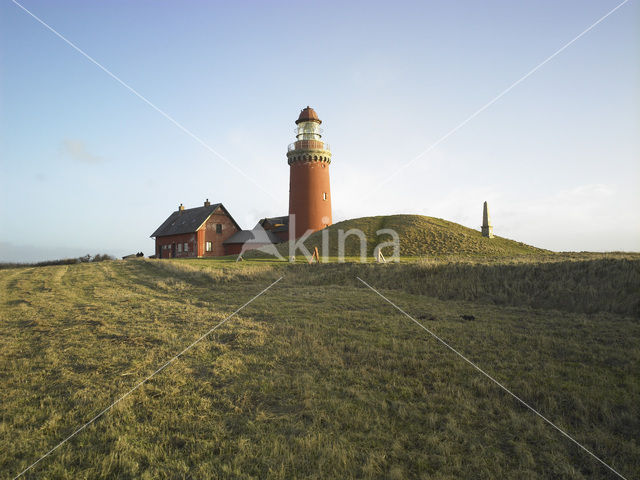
<point x="309" y="158"/>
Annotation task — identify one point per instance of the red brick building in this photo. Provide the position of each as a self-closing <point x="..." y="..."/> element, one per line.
<point x="279" y="226"/>
<point x="210" y="231"/>
<point x="195" y="232"/>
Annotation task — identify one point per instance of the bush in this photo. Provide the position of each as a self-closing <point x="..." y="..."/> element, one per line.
<point x="99" y="257"/>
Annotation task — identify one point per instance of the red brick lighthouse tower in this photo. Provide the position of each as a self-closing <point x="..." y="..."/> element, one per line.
<point x="309" y="193"/>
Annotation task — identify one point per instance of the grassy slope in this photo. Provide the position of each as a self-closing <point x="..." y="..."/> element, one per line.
<point x="419" y="236"/>
<point x="317" y="379"/>
<point x="574" y="282"/>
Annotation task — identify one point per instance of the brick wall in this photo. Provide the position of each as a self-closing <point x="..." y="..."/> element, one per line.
<point x="196" y="241"/>
<point x="164" y="246"/>
<point x="209" y="233"/>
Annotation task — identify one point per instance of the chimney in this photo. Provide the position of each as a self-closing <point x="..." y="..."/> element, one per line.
<point x="180" y="208"/>
<point x="207" y="203"/>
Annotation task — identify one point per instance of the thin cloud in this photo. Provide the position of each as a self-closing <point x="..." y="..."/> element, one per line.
<point x="77" y="150"/>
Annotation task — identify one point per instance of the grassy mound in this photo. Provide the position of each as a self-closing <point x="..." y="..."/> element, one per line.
<point x="419" y="236"/>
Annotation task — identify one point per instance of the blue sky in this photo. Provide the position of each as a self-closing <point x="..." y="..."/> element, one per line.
<point x="87" y="167"/>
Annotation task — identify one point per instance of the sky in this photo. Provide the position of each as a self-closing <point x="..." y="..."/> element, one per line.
<point x="88" y="166"/>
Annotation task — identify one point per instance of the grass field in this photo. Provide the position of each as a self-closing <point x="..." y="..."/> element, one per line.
<point x="319" y="377"/>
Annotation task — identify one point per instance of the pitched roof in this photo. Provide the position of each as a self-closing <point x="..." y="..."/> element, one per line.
<point x="275" y="224"/>
<point x="257" y="235"/>
<point x="189" y="220"/>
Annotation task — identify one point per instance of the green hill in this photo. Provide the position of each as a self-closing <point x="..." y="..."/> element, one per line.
<point x="419" y="236"/>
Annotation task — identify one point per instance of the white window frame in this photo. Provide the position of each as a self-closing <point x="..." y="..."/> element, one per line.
<point x="179" y="247"/>
<point x="208" y="246"/>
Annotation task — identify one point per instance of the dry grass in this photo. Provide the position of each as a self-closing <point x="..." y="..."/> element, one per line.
<point x="574" y="282"/>
<point x="319" y="378"/>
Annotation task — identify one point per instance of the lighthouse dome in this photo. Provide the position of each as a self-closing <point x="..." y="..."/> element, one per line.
<point x="308" y="115"/>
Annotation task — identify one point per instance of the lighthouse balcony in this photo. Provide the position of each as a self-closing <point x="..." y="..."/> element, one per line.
<point x="308" y="145"/>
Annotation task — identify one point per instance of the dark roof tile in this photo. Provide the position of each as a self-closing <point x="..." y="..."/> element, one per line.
<point x="275" y="224"/>
<point x="257" y="235"/>
<point x="188" y="220"/>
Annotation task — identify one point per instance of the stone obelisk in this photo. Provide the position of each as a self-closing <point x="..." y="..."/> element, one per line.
<point x="487" y="228"/>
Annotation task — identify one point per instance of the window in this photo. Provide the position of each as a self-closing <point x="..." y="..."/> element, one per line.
<point x="208" y="246"/>
<point x="186" y="247"/>
<point x="179" y="248"/>
<point x="218" y="228"/>
<point x="324" y="196"/>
